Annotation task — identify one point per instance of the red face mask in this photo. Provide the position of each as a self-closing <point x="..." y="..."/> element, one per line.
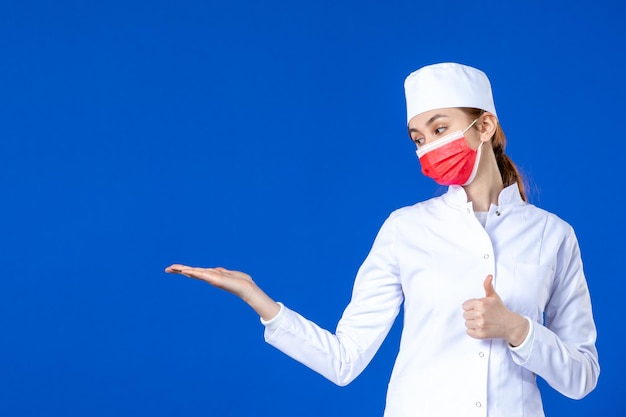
<point x="449" y="160"/>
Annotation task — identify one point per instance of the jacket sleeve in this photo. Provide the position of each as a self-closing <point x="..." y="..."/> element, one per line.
<point x="366" y="321"/>
<point x="563" y="352"/>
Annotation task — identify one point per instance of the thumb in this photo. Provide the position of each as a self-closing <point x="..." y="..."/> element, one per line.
<point x="488" y="284"/>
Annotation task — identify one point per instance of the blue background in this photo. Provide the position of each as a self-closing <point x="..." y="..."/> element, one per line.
<point x="268" y="137"/>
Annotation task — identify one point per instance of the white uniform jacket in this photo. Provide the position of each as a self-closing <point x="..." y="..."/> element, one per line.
<point x="432" y="257"/>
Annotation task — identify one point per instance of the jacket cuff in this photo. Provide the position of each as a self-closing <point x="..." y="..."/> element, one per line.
<point x="275" y="321"/>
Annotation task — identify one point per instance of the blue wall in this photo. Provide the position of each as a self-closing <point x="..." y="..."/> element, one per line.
<point x="267" y="137"/>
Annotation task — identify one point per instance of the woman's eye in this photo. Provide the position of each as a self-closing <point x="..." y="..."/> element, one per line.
<point x="440" y="130"/>
<point x="419" y="141"/>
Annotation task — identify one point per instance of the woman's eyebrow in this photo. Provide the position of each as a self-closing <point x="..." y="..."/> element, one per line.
<point x="428" y="123"/>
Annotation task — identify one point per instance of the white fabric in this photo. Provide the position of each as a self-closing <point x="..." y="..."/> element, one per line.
<point x="447" y="85"/>
<point x="432" y="257"/>
<point x="482" y="217"/>
<point x="274" y="322"/>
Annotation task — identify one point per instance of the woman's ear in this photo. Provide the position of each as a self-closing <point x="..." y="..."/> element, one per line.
<point x="487" y="126"/>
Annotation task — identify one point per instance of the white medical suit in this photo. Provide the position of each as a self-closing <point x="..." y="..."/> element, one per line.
<point x="430" y="258"/>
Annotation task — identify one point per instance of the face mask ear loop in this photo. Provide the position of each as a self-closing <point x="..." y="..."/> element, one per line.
<point x="471" y="124"/>
<point x="475" y="169"/>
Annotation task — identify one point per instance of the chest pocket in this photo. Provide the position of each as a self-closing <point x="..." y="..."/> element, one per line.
<point x="532" y="285"/>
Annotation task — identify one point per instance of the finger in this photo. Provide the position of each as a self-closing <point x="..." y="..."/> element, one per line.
<point x="488" y="285"/>
<point x="470" y="325"/>
<point x="200" y="273"/>
<point x="469" y="315"/>
<point x="469" y="304"/>
<point x="175" y="268"/>
<point x="211" y="275"/>
<point x="477" y="333"/>
<point x="189" y="271"/>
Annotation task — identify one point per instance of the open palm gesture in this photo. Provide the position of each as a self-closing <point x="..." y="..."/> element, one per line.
<point x="235" y="282"/>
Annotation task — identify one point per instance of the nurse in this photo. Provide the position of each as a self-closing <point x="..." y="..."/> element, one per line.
<point x="492" y="288"/>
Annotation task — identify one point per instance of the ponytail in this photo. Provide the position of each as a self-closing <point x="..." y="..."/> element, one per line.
<point x="509" y="172"/>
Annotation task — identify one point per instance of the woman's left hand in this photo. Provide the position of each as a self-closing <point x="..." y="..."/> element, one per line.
<point x="488" y="318"/>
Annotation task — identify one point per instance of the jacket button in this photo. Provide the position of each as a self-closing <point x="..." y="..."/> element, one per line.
<point x="498" y="213"/>
<point x="486" y="256"/>
<point x="481" y="354"/>
<point x="478" y="404"/>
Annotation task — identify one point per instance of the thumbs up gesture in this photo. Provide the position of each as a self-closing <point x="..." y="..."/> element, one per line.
<point x="488" y="318"/>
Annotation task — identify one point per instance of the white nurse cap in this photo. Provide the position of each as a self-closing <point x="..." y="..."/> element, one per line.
<point x="447" y="85"/>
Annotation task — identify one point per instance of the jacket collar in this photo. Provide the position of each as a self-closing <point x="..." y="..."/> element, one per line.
<point x="509" y="196"/>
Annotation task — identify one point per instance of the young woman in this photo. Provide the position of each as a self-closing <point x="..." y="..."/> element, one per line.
<point x="492" y="287"/>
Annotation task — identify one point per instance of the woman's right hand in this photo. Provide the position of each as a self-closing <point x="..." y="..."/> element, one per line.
<point x="235" y="282"/>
